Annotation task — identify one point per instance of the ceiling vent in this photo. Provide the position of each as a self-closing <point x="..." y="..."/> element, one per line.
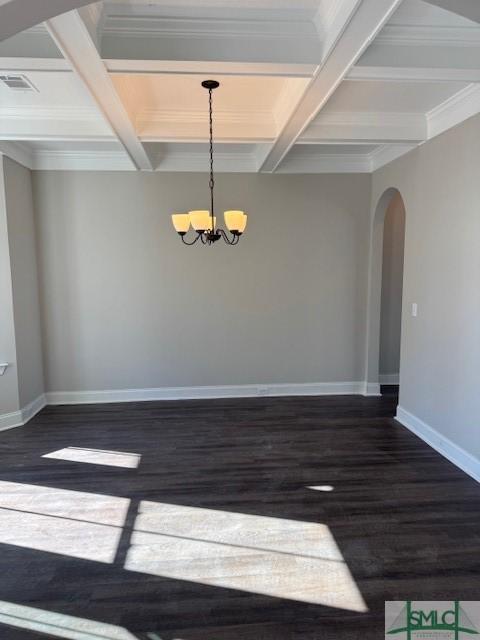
<point x="18" y="83"/>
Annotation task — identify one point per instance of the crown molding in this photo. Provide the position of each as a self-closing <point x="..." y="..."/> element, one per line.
<point x="462" y="105"/>
<point x="325" y="163"/>
<point x="413" y="74"/>
<point x="65" y="160"/>
<point x="35" y="112"/>
<point x="401" y="35"/>
<point x="198" y="162"/>
<point x="368" y="118"/>
<point x="198" y="116"/>
<point x="188" y="27"/>
<point x="366" y="126"/>
<point x="59" y="160"/>
<point x="195" y="67"/>
<point x="388" y="153"/>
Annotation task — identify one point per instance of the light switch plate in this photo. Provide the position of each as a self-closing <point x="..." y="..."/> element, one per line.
<point x="3" y="367"/>
<point x="414" y="309"/>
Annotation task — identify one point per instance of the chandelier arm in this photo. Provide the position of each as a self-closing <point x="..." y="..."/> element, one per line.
<point x="229" y="241"/>
<point x="190" y="243"/>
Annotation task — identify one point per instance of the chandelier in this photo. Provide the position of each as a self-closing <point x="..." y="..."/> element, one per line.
<point x="204" y="223"/>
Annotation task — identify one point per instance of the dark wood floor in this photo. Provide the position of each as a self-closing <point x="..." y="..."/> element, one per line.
<point x="406" y="521"/>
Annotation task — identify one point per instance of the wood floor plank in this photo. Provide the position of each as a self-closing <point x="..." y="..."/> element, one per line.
<point x="403" y="520"/>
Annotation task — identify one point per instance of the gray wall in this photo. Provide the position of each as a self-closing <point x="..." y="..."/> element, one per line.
<point x="9" y="401"/>
<point x="126" y="305"/>
<point x="392" y="283"/>
<point x="23" y="260"/>
<point x="440" y="354"/>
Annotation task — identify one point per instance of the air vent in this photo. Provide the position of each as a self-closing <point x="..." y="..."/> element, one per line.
<point x="18" y="83"/>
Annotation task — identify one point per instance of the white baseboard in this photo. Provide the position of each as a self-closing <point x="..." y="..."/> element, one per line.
<point x="21" y="417"/>
<point x="191" y="393"/>
<point x="33" y="408"/>
<point x="10" y="420"/>
<point x="458" y="456"/>
<point x="389" y="378"/>
<point x="370" y="389"/>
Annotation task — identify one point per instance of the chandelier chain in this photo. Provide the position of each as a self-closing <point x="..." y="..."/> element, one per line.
<point x="212" y="182"/>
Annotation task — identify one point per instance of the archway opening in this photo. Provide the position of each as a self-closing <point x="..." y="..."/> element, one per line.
<point x="385" y="294"/>
<point x="391" y="295"/>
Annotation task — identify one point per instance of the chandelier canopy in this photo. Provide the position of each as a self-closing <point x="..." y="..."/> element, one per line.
<point x="204" y="222"/>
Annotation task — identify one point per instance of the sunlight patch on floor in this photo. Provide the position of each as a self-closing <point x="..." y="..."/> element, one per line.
<point x="71" y="523"/>
<point x="59" y="625"/>
<point x="276" y="557"/>
<point x="97" y="456"/>
<point x="326" y="488"/>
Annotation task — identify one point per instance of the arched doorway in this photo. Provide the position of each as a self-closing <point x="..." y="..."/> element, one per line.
<point x="385" y="292"/>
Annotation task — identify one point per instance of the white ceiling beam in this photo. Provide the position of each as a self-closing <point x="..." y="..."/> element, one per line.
<point x="413" y="74"/>
<point x="355" y="38"/>
<point x="467" y="8"/>
<point x="456" y="109"/>
<point x="193" y="67"/>
<point x="75" y="42"/>
<point x="18" y="15"/>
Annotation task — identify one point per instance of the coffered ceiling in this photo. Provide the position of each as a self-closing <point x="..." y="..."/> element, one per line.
<point x="305" y="85"/>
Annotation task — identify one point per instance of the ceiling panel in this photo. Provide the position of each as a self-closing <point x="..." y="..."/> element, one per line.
<point x="168" y="106"/>
<point x="375" y="96"/>
<point x="418" y="12"/>
<point x="31" y="43"/>
<point x="184" y="93"/>
<point x="54" y="90"/>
